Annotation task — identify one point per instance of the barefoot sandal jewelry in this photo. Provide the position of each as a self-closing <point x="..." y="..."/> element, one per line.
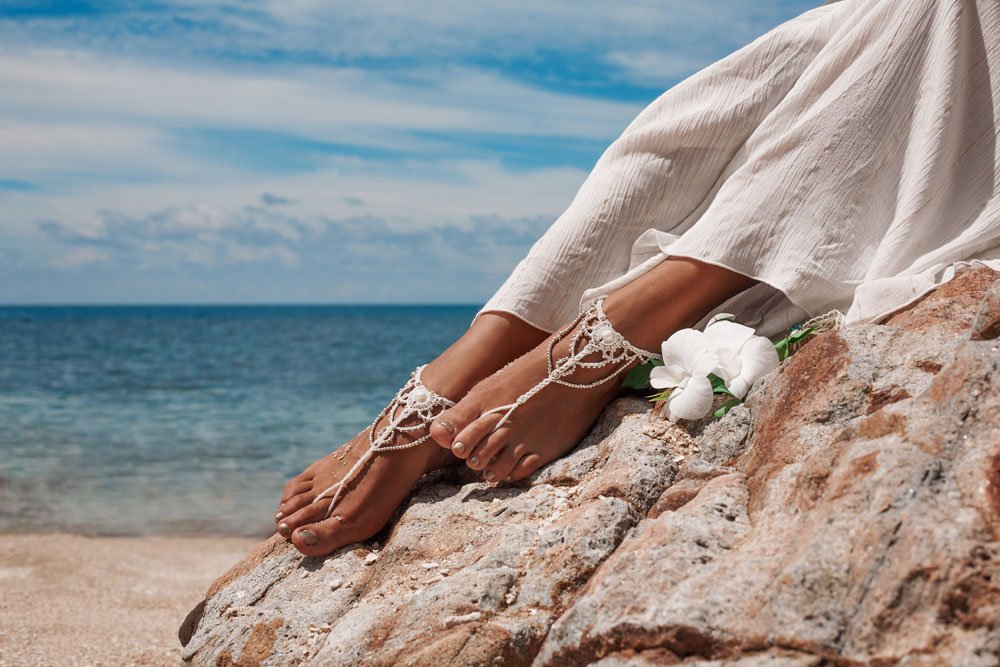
<point x="414" y="403"/>
<point x="596" y="336"/>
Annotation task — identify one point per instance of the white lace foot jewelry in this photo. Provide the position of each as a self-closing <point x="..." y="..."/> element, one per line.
<point x="414" y="403"/>
<point x="595" y="337"/>
<point x="828" y="321"/>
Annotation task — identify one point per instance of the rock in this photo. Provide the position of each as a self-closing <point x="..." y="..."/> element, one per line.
<point x="858" y="522"/>
<point x="847" y="513"/>
<point x="515" y="557"/>
<point x="987" y="323"/>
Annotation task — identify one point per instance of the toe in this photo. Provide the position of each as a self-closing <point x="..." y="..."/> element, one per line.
<point x="503" y="464"/>
<point x="295" y="488"/>
<point x="488" y="449"/>
<point x="310" y="513"/>
<point x="468" y="439"/>
<point x="324" y="537"/>
<point x="294" y="504"/>
<point x="525" y="467"/>
<point x="449" y="423"/>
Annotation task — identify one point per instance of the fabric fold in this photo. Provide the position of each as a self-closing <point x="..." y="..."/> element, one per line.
<point x="846" y="160"/>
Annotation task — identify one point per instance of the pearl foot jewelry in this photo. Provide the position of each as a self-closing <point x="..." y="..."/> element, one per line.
<point x="596" y="337"/>
<point x="414" y="403"/>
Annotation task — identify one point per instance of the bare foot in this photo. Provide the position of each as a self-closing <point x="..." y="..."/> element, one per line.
<point x="676" y="293"/>
<point x="382" y="483"/>
<point x="367" y="503"/>
<point x="509" y="444"/>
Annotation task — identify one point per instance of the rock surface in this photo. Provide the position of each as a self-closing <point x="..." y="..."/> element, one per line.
<point x="848" y="513"/>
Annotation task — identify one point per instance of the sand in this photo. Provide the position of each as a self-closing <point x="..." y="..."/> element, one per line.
<point x="73" y="600"/>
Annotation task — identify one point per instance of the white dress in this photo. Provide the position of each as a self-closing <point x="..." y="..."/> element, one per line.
<point x="847" y="160"/>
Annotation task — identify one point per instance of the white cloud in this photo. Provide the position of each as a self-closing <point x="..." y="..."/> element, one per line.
<point x="505" y="29"/>
<point x="655" y="66"/>
<point x="412" y="196"/>
<point x="34" y="149"/>
<point x="79" y="257"/>
<point x="334" y="105"/>
<point x="96" y="132"/>
<point x="104" y="117"/>
<point x="356" y="258"/>
<point x="244" y="255"/>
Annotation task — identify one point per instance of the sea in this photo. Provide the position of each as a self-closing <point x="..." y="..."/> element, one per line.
<point x="187" y="420"/>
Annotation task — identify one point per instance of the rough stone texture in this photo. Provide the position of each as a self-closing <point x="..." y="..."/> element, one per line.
<point x="468" y="575"/>
<point x="848" y="513"/>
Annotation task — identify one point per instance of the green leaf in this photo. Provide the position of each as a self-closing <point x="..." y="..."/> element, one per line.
<point x="718" y="385"/>
<point x="726" y="407"/>
<point x="784" y="346"/>
<point x="638" y="377"/>
<point x="660" y="397"/>
<point x="800" y="334"/>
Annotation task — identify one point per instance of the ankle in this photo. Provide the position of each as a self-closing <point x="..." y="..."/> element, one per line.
<point x="675" y="294"/>
<point x="451" y="380"/>
<point x="589" y="355"/>
<point x="494" y="340"/>
<point x="644" y="325"/>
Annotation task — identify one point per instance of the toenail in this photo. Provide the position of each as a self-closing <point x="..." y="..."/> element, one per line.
<point x="458" y="448"/>
<point x="279" y="516"/>
<point x="507" y="478"/>
<point x="308" y="537"/>
<point x="447" y="425"/>
<point x="284" y="528"/>
<point x="489" y="475"/>
<point x="474" y="460"/>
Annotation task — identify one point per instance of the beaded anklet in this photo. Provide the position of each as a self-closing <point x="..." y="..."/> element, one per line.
<point x="596" y="336"/>
<point x="414" y="402"/>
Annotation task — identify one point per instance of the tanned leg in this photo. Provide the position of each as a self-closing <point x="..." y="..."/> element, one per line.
<point x="493" y="341"/>
<point x="675" y="294"/>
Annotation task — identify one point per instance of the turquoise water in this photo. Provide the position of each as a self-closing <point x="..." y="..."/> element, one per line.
<point x="185" y="420"/>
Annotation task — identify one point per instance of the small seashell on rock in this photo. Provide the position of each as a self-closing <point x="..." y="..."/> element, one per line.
<point x="450" y="621"/>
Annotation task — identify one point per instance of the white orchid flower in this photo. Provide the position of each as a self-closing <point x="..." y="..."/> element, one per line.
<point x="743" y="357"/>
<point x="687" y="361"/>
<point x="718" y="317"/>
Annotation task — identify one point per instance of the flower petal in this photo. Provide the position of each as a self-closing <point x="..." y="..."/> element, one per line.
<point x="683" y="348"/>
<point x="726" y="334"/>
<point x="729" y="365"/>
<point x="759" y="358"/>
<point x="665" y="377"/>
<point x="718" y="317"/>
<point x="692" y="402"/>
<point x="707" y="363"/>
<point x="725" y="338"/>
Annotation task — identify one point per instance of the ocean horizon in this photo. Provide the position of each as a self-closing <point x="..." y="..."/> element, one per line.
<point x="187" y="419"/>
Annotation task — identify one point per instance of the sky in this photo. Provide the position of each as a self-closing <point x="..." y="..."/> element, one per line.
<point x="307" y="151"/>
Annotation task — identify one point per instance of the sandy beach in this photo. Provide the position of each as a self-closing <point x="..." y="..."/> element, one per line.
<point x="73" y="600"/>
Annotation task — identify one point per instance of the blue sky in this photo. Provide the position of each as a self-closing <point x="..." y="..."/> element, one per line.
<point x="190" y="151"/>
